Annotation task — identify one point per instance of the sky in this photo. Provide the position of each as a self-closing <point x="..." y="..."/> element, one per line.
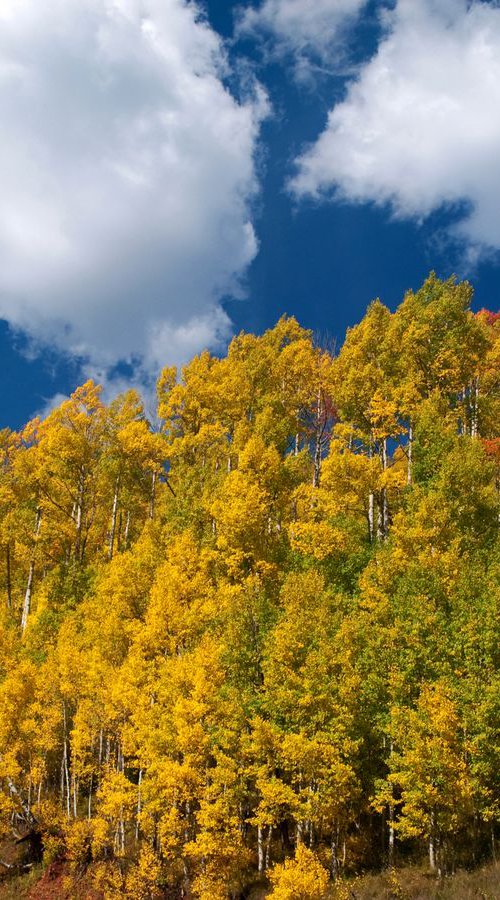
<point x="174" y="172"/>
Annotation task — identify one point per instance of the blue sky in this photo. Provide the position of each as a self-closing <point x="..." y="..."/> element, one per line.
<point x="168" y="180"/>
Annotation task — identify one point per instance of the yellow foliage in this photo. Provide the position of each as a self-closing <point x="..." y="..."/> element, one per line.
<point x="143" y="881"/>
<point x="78" y="841"/>
<point x="301" y="878"/>
<point x="108" y="881"/>
<point x="274" y="621"/>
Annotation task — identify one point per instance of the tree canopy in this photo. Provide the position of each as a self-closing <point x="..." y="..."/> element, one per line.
<point x="259" y="643"/>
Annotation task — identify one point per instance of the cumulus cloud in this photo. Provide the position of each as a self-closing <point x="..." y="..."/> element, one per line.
<point x="49" y="404"/>
<point x="126" y="178"/>
<point x="420" y="127"/>
<point x="302" y="27"/>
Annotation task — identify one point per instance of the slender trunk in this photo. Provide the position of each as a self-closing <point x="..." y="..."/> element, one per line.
<point x="432" y="846"/>
<point x="296" y="449"/>
<point x="268" y="846"/>
<point x="385" y="509"/>
<point x="100" y="750"/>
<point x="317" y="466"/>
<point x="121" y="768"/>
<point x="334" y="868"/>
<point x="371" y="504"/>
<point x="119" y="532"/>
<point x="66" y="780"/>
<point x="122" y="831"/>
<point x="31" y="572"/>
<point x="8" y="581"/>
<point x="371" y="516"/>
<point x="127" y="530"/>
<point x="61" y="785"/>
<point x="463" y="421"/>
<point x="114" y="514"/>
<point x="188" y="813"/>
<point x="380" y="517"/>
<point x="390" y="851"/>
<point x="66" y="767"/>
<point x="493" y="843"/>
<point x="89" y="807"/>
<point x="79" y="516"/>
<point x="474" y="394"/>
<point x="383" y="512"/>
<point x="65" y="772"/>
<point x="75" y="796"/>
<point x="28" y="815"/>
<point x="260" y="849"/>
<point x="410" y="454"/>
<point x="317" y="446"/>
<point x="300" y="824"/>
<point x="139" y="806"/>
<point x="152" y="498"/>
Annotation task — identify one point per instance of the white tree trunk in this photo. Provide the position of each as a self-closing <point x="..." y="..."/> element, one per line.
<point x="410" y="454"/>
<point x="432" y="846"/>
<point x="390" y="854"/>
<point x="371" y="515"/>
<point x="268" y="846"/>
<point x="260" y="849"/>
<point x="474" y="398"/>
<point x="114" y="514"/>
<point x="79" y="516"/>
<point x="8" y="580"/>
<point x="31" y="572"/>
<point x="318" y="440"/>
<point x="152" y="500"/>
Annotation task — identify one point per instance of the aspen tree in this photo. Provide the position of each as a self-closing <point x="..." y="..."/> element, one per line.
<point x="281" y="666"/>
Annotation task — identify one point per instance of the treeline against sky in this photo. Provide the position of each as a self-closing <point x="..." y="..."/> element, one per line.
<point x="260" y="643"/>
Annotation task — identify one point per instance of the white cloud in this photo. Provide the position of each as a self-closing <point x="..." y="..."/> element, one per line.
<point x="302" y="27"/>
<point x="420" y="126"/>
<point x="49" y="404"/>
<point x="126" y="178"/>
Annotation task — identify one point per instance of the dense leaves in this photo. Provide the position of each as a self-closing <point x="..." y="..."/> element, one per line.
<point x="259" y="643"/>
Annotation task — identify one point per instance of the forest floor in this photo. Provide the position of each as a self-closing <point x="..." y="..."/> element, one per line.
<point x="409" y="883"/>
<point x="416" y="884"/>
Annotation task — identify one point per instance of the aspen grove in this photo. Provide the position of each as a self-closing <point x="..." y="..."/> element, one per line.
<point x="257" y="644"/>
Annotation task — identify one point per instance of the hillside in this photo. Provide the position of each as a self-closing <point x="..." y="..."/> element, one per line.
<point x="257" y="646"/>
